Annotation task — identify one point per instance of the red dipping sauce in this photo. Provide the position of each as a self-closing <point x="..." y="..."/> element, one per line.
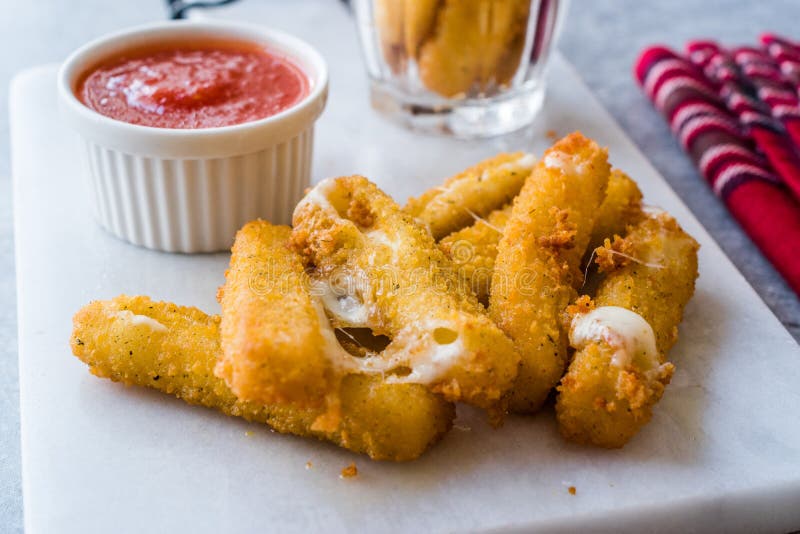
<point x="185" y="86"/>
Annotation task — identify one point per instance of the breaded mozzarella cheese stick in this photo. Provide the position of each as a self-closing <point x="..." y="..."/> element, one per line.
<point x="174" y="349"/>
<point x="472" y="193"/>
<point x="473" y="249"/>
<point x="273" y="349"/>
<point x="375" y="268"/>
<point x="537" y="268"/>
<point x="619" y="370"/>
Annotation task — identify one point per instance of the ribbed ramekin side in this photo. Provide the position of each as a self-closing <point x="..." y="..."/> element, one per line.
<point x="190" y="205"/>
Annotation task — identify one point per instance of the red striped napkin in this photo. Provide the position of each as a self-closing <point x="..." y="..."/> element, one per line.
<point x="705" y="110"/>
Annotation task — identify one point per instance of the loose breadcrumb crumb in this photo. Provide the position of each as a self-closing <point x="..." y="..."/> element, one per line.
<point x="349" y="472"/>
<point x="572" y="490"/>
<point x="248" y="433"/>
<point x="551" y="134"/>
<point x="309" y="465"/>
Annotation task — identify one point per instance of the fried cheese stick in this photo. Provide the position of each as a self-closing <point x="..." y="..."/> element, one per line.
<point x="419" y="22"/>
<point x="473" y="249"/>
<point x="652" y="272"/>
<point x="473" y="43"/>
<point x="621" y="208"/>
<point x="619" y="370"/>
<point x="375" y="268"/>
<point x="537" y="267"/>
<point x="472" y="193"/>
<point x="273" y="350"/>
<point x="389" y="20"/>
<point x="174" y="349"/>
<point x="505" y="38"/>
<point x="402" y="26"/>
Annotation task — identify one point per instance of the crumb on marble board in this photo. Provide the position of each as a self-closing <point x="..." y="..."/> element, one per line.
<point x="572" y="490"/>
<point x="350" y="471"/>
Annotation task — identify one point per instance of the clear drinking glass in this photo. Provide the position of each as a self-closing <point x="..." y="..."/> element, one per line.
<point x="468" y="68"/>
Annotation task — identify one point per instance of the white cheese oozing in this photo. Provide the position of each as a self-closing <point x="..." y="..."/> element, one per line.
<point x="318" y="196"/>
<point x="567" y="164"/>
<point x="626" y="332"/>
<point x="429" y="351"/>
<point x="343" y="304"/>
<point x="140" y="320"/>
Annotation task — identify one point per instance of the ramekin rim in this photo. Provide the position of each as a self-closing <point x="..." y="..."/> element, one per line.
<point x="69" y="70"/>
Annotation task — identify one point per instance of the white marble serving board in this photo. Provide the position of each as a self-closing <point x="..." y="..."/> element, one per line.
<point x="722" y="451"/>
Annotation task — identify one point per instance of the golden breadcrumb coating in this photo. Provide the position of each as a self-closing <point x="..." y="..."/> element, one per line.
<point x="474" y="192"/>
<point x="272" y="347"/>
<point x="177" y="353"/>
<point x="621" y="208"/>
<point x="604" y="404"/>
<point x="473" y="249"/>
<point x="349" y="471"/>
<point x="537" y="267"/>
<point x="375" y="268"/>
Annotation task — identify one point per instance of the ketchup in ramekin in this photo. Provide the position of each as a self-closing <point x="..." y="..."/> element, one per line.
<point x="193" y="86"/>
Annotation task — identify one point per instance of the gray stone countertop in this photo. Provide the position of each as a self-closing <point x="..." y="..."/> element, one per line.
<point x="601" y="38"/>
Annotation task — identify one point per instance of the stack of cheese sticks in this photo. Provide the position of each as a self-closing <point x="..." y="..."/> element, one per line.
<point x="365" y="322"/>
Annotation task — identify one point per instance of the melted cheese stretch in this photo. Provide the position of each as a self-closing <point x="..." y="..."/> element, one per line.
<point x="335" y="352"/>
<point x="316" y="196"/>
<point x="626" y="332"/>
<point x="140" y="320"/>
<point x="428" y="356"/>
<point x="342" y="303"/>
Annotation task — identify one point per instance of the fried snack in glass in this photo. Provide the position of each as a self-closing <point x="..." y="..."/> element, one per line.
<point x="375" y="268"/>
<point x="404" y="25"/>
<point x="273" y="349"/>
<point x="174" y="349"/>
<point x="468" y="68"/>
<point x="473" y="249"/>
<point x="538" y="258"/>
<point x="476" y="45"/>
<point x="472" y="193"/>
<point x="619" y="370"/>
<point x="461" y="46"/>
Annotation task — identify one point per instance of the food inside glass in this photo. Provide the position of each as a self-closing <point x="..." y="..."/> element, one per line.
<point x="470" y="68"/>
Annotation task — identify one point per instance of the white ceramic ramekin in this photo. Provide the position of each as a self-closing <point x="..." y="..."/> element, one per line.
<point x="190" y="190"/>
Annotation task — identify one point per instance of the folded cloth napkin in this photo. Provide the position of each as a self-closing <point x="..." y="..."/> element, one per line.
<point x="725" y="153"/>
<point x="745" y="98"/>
<point x="786" y="54"/>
